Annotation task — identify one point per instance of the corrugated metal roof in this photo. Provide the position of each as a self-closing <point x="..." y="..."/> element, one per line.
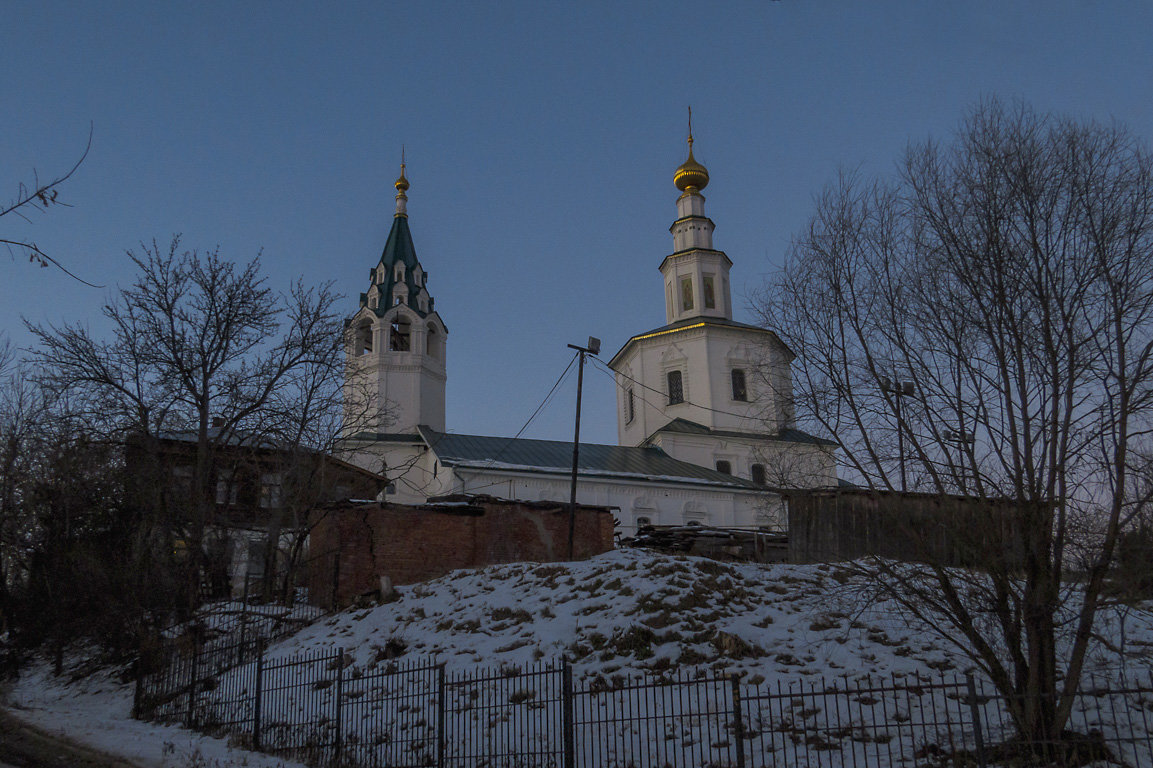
<point x="555" y="457"/>
<point x="788" y="435"/>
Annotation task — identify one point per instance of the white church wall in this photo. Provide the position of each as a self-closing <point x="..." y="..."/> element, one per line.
<point x="659" y="503"/>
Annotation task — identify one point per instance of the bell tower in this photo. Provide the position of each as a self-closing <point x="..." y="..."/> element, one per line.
<point x="396" y="342"/>
<point x="696" y="275"/>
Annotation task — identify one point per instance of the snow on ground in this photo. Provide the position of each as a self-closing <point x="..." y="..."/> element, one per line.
<point x="622" y="614"/>
<point x="634" y="612"/>
<point x="97" y="712"/>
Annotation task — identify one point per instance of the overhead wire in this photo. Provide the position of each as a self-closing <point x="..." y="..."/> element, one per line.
<point x="492" y="460"/>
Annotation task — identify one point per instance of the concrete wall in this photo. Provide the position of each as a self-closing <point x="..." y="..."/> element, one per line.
<point x="353" y="545"/>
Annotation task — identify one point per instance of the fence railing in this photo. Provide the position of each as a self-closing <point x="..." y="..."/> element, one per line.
<point x="327" y="711"/>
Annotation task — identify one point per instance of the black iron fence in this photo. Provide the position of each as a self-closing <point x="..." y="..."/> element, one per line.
<point x="330" y="712"/>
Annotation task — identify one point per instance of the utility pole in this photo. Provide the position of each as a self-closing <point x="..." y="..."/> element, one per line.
<point x="593" y="348"/>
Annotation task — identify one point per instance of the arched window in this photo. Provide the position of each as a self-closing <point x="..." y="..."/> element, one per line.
<point x="676" y="387"/>
<point x="433" y="343"/>
<point x="740" y="391"/>
<point x="724" y="466"/>
<point x="400" y="335"/>
<point x="757" y="471"/>
<point x="630" y="407"/>
<point x="362" y="338"/>
<point x="642" y="521"/>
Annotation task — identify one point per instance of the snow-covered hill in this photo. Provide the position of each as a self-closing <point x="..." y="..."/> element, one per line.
<point x="631" y="611"/>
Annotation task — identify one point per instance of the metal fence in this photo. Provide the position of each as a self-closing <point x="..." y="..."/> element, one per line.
<point x="329" y="712"/>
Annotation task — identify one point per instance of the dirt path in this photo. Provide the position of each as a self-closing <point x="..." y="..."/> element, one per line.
<point x="25" y="746"/>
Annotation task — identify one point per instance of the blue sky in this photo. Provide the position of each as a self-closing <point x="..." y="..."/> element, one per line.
<point x="541" y="142"/>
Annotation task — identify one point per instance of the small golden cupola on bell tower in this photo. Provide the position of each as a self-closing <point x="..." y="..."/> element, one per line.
<point x="691" y="177"/>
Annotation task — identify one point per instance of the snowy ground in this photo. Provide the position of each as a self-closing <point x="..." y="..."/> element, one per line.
<point x="615" y="617"/>
<point x="97" y="712"/>
<point x="631" y="612"/>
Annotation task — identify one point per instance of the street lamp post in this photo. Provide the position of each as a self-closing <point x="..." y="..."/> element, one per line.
<point x="593" y="348"/>
<point x="961" y="439"/>
<point x="899" y="389"/>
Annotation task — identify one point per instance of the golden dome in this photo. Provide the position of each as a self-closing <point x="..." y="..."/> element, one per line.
<point x="401" y="183"/>
<point x="691" y="174"/>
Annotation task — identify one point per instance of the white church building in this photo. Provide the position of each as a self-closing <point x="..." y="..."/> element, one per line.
<point x="704" y="403"/>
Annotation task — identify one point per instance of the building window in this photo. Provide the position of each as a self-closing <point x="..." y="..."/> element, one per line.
<point x="724" y="466"/>
<point x="225" y="488"/>
<point x="758" y="473"/>
<point x="676" y="388"/>
<point x="710" y="293"/>
<point x="399" y="335"/>
<point x="740" y="392"/>
<point x="686" y="294"/>
<point x="643" y="521"/>
<point x="270" y="490"/>
<point x="433" y="342"/>
<point x="630" y="408"/>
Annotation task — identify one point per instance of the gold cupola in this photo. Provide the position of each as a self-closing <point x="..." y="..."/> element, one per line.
<point x="691" y="177"/>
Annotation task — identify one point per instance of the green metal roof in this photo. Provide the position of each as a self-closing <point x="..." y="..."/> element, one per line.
<point x="555" y="457"/>
<point x="788" y="435"/>
<point x="398" y="248"/>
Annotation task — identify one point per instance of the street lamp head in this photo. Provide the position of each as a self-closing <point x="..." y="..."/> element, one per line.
<point x="594" y="346"/>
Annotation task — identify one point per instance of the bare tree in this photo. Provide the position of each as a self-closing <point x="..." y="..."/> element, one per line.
<point x="983" y="324"/>
<point x="39" y="196"/>
<point x="199" y="344"/>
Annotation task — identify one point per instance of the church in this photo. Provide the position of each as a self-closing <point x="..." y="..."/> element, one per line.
<point x="704" y="403"/>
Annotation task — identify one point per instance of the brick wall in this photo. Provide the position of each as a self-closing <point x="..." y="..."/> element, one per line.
<point x="353" y="545"/>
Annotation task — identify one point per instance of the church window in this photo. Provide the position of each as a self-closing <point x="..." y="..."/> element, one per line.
<point x="643" y="521"/>
<point x="400" y="335"/>
<point x="630" y="408"/>
<point x="740" y="391"/>
<point x="399" y="301"/>
<point x="686" y="294"/>
<point x="758" y="473"/>
<point x="399" y="272"/>
<point x="724" y="466"/>
<point x="676" y="388"/>
<point x="710" y="293"/>
<point x="433" y="343"/>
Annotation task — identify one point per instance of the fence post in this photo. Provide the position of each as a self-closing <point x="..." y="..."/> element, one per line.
<point x="567" y="714"/>
<point x="189" y="718"/>
<point x="339" y="692"/>
<point x="738" y="720"/>
<point x="256" y="700"/>
<point x="975" y="708"/>
<point x="440" y="713"/>
<point x="138" y="691"/>
<point x="243" y="622"/>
